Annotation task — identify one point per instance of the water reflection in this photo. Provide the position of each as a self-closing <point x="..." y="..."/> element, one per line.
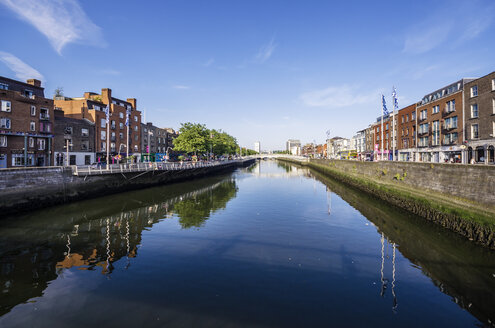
<point x="35" y="250"/>
<point x="456" y="266"/>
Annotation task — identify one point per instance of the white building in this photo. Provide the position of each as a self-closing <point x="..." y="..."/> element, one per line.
<point x="257" y="147"/>
<point x="292" y="143"/>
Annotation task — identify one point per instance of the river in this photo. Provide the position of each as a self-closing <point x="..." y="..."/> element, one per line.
<point x="272" y="245"/>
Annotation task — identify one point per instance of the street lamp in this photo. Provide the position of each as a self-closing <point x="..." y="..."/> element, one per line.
<point x="68" y="143"/>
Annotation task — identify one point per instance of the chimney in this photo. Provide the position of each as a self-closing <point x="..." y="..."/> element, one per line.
<point x="106" y="96"/>
<point x="36" y="83"/>
<point x="132" y="101"/>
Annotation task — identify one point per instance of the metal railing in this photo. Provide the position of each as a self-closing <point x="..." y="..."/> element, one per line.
<point x="143" y="167"/>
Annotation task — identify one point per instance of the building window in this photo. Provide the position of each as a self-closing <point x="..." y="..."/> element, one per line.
<point x="103" y="123"/>
<point x="136" y="137"/>
<point x="121" y="125"/>
<point x="32" y="126"/>
<point x="4" y="86"/>
<point x="121" y="115"/>
<point x="68" y="130"/>
<point x="84" y="132"/>
<point x="135" y="118"/>
<point x="87" y="159"/>
<point x="3" y="141"/>
<point x="103" y="146"/>
<point x="44" y="114"/>
<point x="85" y="145"/>
<point x="6" y="106"/>
<point x="121" y="136"/>
<point x="493" y="84"/>
<point x="474" y="131"/>
<point x="31" y="142"/>
<point x="113" y="124"/>
<point x="474" y="91"/>
<point x="135" y="127"/>
<point x="436" y="133"/>
<point x="450" y="106"/>
<point x="435" y="109"/>
<point x="450" y="123"/>
<point x="112" y="138"/>
<point x="33" y="110"/>
<point x="103" y="135"/>
<point x="450" y="138"/>
<point x="4" y="123"/>
<point x="72" y="160"/>
<point x="413" y="116"/>
<point x="29" y="93"/>
<point x="423" y="142"/>
<point x="493" y="105"/>
<point x="45" y="127"/>
<point x="423" y="128"/>
<point x="423" y="115"/>
<point x="135" y="148"/>
<point x="474" y="111"/>
<point x="41" y="144"/>
<point x="18" y="160"/>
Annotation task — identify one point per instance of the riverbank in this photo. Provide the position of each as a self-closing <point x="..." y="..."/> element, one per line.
<point x="471" y="219"/>
<point x="26" y="189"/>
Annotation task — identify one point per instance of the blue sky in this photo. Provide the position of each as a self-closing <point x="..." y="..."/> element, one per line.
<point x="260" y="70"/>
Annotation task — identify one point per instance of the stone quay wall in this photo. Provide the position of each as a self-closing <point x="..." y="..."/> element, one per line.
<point x="25" y="189"/>
<point x="472" y="182"/>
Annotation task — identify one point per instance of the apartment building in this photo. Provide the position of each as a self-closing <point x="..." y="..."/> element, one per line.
<point x="406" y="133"/>
<point x="369" y="135"/>
<point x="385" y="150"/>
<point x="74" y="142"/>
<point x="440" y="125"/>
<point x="26" y="124"/>
<point x="153" y="142"/>
<point x="122" y="140"/>
<point x="479" y="110"/>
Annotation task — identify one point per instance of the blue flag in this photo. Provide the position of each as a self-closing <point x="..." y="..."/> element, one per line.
<point x="107" y="113"/>
<point x="394" y="96"/>
<point x="127" y="114"/>
<point x="385" y="110"/>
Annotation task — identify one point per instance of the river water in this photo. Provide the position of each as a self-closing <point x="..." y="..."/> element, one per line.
<point x="273" y="245"/>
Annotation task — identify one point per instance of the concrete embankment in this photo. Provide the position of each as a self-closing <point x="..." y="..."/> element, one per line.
<point x="458" y="197"/>
<point x="24" y="189"/>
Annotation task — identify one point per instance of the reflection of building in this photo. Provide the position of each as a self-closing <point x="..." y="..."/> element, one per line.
<point x="79" y="135"/>
<point x="479" y="110"/>
<point x="26" y="124"/>
<point x="257" y="147"/>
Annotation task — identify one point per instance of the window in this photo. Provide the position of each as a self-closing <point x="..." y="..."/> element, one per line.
<point x="450" y="123"/>
<point x="45" y="127"/>
<point x="103" y="146"/>
<point x="135" y="128"/>
<point x="474" y="111"/>
<point x="41" y="144"/>
<point x="129" y="107"/>
<point x="407" y="117"/>
<point x="113" y="125"/>
<point x="423" y="142"/>
<point x="85" y="145"/>
<point x="413" y="116"/>
<point x="4" y="86"/>
<point x="121" y="115"/>
<point x="68" y="130"/>
<point x="121" y="125"/>
<point x="4" y="123"/>
<point x="493" y="105"/>
<point x="31" y="142"/>
<point x="436" y="133"/>
<point x="18" y="160"/>
<point x="474" y="91"/>
<point x="450" y="106"/>
<point x="3" y="141"/>
<point x="423" y="128"/>
<point x="136" y="137"/>
<point x="474" y="131"/>
<point x="84" y="132"/>
<point x="32" y="126"/>
<point x="44" y="114"/>
<point x="423" y="115"/>
<point x="493" y="84"/>
<point x="135" y="118"/>
<point x="28" y="93"/>
<point x="450" y="138"/>
<point x="435" y="109"/>
<point x="112" y="146"/>
<point x="112" y="138"/>
<point x="33" y="110"/>
<point x="135" y="148"/>
<point x="121" y="136"/>
<point x="103" y="123"/>
<point x="402" y="118"/>
<point x="72" y="160"/>
<point x="103" y="135"/>
<point x="87" y="159"/>
<point x="6" y="106"/>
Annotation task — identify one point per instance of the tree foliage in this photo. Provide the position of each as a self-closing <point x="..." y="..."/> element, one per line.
<point x="196" y="138"/>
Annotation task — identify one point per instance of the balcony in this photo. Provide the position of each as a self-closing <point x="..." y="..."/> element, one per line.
<point x="421" y="119"/>
<point x="420" y="133"/>
<point x="44" y="116"/>
<point x="449" y="127"/>
<point x="447" y="111"/>
<point x="450" y="142"/>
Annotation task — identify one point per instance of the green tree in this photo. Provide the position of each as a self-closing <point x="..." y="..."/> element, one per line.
<point x="222" y="143"/>
<point x="192" y="138"/>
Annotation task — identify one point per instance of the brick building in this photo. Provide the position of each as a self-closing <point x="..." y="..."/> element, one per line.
<point x="440" y="132"/>
<point x="369" y="139"/>
<point x="92" y="107"/>
<point x="406" y="133"/>
<point x="479" y="110"/>
<point x="26" y="124"/>
<point x="387" y="137"/>
<point x="153" y="142"/>
<point x="79" y="135"/>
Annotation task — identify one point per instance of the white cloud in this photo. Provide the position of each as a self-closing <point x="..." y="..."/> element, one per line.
<point x="181" y="87"/>
<point x="61" y="21"/>
<point x="452" y="25"/>
<point x="339" y="96"/>
<point x="266" y="51"/>
<point x="22" y="70"/>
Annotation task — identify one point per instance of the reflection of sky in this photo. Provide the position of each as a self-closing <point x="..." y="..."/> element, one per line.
<point x="272" y="256"/>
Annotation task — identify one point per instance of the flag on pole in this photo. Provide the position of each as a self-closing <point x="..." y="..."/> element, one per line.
<point x="385" y="110"/>
<point x="127" y="114"/>
<point x="107" y="113"/>
<point x="394" y="96"/>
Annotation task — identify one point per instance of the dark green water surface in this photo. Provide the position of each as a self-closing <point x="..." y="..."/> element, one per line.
<point x="273" y="245"/>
